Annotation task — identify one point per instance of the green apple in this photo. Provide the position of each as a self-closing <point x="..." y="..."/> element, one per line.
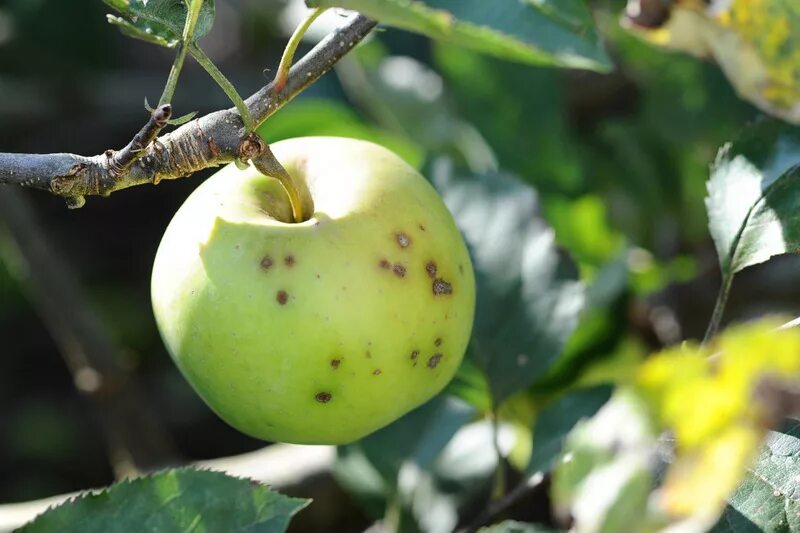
<point x="325" y="330"/>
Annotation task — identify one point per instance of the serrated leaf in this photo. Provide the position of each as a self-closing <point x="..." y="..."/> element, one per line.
<point x="542" y="33"/>
<point x="174" y="500"/>
<point x="161" y="21"/>
<point x="754" y="197"/>
<point x="144" y="32"/>
<point x="769" y="497"/>
<point x="528" y="296"/>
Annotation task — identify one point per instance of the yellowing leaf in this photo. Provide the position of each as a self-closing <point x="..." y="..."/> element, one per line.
<point x="755" y="42"/>
<point x="707" y="396"/>
<point x="699" y="483"/>
<point x="713" y="400"/>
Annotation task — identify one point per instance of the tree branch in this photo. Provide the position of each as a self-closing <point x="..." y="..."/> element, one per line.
<point x="208" y="141"/>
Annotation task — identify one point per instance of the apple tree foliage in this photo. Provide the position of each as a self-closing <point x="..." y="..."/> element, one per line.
<point x="699" y="436"/>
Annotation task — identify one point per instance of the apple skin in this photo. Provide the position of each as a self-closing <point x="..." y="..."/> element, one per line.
<point x="323" y="331"/>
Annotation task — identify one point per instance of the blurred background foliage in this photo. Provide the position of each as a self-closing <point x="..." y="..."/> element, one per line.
<point x="619" y="161"/>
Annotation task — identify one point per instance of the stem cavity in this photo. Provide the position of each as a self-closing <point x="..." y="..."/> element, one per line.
<point x="299" y="196"/>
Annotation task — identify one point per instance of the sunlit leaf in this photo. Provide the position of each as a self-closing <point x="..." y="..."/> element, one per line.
<point x="718" y="402"/>
<point x="755" y="42"/>
<point x="754" y="196"/>
<point x="549" y="33"/>
<point x="159" y="21"/>
<point x="174" y="500"/>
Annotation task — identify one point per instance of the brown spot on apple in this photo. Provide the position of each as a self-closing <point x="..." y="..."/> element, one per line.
<point x="289" y="261"/>
<point x="402" y="239"/>
<point x="385" y="264"/>
<point x="421" y="227"/>
<point x="433" y="362"/>
<point x="399" y="271"/>
<point x="441" y="287"/>
<point x="431" y="269"/>
<point x="335" y="363"/>
<point x="438" y="341"/>
<point x="282" y="297"/>
<point x="266" y="262"/>
<point x="415" y="356"/>
<point x="376" y="372"/>
<point x="323" y="397"/>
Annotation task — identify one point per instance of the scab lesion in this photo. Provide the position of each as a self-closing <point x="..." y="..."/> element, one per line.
<point x="441" y="287"/>
<point x="403" y="240"/>
<point x="431" y="269"/>
<point x="433" y="361"/>
<point x="323" y="397"/>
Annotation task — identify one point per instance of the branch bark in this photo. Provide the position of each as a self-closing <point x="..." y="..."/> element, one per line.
<point x="212" y="140"/>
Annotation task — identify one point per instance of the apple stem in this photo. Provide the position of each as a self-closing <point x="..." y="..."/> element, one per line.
<point x="282" y="75"/>
<point x="299" y="197"/>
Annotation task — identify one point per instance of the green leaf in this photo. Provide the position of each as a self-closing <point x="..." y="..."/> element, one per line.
<point x="541" y="33"/>
<point x="528" y="296"/>
<point x="555" y="421"/>
<point x="174" y="500"/>
<point x="605" y="474"/>
<point x="512" y="526"/>
<point x="425" y="465"/>
<point x="142" y="32"/>
<point x="769" y="497"/>
<point x="753" y="196"/>
<point x="159" y="21"/>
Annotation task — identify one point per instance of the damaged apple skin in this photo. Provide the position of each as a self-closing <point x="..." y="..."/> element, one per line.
<point x="323" y="331"/>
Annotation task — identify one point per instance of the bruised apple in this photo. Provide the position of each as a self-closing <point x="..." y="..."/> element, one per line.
<point x="322" y="331"/>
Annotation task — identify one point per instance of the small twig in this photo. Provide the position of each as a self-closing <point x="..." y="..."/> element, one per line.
<point x="183" y="48"/>
<point x="719" y="307"/>
<point x="208" y="141"/>
<point x="498" y="506"/>
<point x="282" y="75"/>
<point x="123" y="159"/>
<point x="499" y="488"/>
<point x="225" y="85"/>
